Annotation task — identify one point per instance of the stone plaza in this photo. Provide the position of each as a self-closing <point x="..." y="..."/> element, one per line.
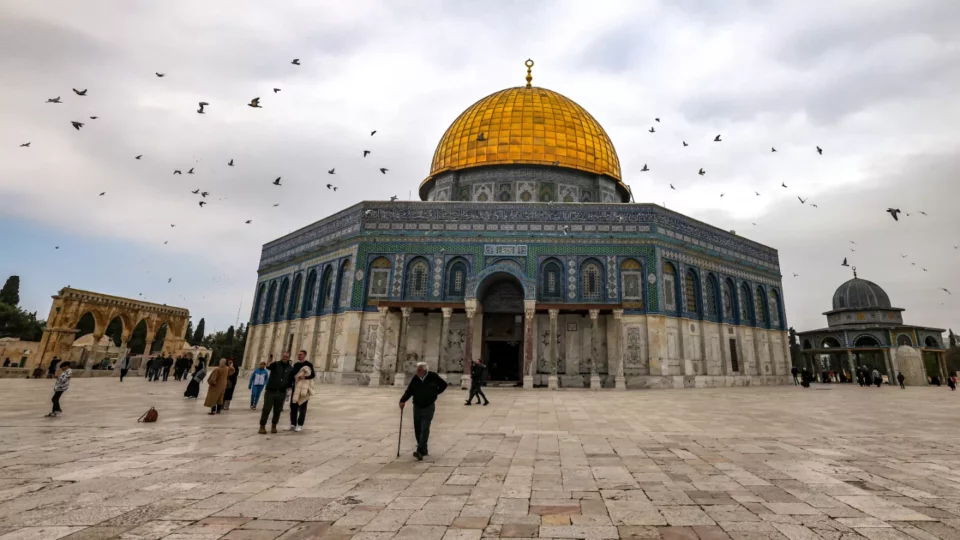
<point x="836" y="462"/>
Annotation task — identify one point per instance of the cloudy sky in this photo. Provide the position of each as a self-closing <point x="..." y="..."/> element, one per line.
<point x="871" y="82"/>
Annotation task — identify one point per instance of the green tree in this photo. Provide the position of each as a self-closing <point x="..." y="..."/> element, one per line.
<point x="188" y="335"/>
<point x="953" y="339"/>
<point x="228" y="339"/>
<point x="10" y="294"/>
<point x="17" y="323"/>
<point x="198" y="335"/>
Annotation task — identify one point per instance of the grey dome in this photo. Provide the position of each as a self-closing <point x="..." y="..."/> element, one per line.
<point x="860" y="294"/>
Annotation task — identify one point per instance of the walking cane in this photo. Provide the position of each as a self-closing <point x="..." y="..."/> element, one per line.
<point x="400" y="435"/>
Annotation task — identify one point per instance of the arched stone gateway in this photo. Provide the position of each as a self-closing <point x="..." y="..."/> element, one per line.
<point x="70" y="305"/>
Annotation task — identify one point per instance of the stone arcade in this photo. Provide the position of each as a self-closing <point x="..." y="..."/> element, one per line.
<point x="525" y="252"/>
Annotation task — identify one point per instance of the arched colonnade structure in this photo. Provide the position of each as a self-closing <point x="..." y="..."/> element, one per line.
<point x="71" y="305"/>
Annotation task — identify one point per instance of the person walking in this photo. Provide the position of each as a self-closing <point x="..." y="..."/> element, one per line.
<point x="167" y="364"/>
<point x="794" y="371"/>
<point x="877" y="378"/>
<point x="424" y="389"/>
<point x="124" y="366"/>
<point x="900" y="378"/>
<point x="298" y="409"/>
<point x="52" y="370"/>
<point x="478" y="376"/>
<point x="193" y="387"/>
<point x="952" y="382"/>
<point x="217" y="386"/>
<point x="275" y="392"/>
<point x="231" y="385"/>
<point x="59" y="387"/>
<point x="258" y="379"/>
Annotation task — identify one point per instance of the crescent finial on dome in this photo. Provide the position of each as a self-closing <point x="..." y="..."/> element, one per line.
<point x="529" y="64"/>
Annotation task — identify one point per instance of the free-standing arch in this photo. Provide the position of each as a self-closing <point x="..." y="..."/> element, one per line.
<point x="69" y="305"/>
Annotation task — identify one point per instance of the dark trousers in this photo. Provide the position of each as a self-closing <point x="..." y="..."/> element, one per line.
<point x="902" y="386"/>
<point x="298" y="412"/>
<point x="796" y="381"/>
<point x="56" y="401"/>
<point x="422" y="417"/>
<point x="477" y="390"/>
<point x="123" y="373"/>
<point x="166" y="373"/>
<point x="272" y="400"/>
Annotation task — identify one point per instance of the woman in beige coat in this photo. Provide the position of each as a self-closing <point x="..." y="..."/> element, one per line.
<point x="217" y="382"/>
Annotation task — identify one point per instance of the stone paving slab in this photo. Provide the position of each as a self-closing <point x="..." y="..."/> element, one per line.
<point x="831" y="463"/>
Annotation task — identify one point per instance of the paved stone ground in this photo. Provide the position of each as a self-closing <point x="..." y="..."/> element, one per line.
<point x="839" y="463"/>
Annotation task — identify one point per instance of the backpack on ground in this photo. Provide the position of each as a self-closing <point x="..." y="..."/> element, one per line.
<point x="150" y="416"/>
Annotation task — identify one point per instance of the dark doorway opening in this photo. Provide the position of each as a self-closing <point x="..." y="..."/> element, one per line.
<point x="502" y="299"/>
<point x="734" y="361"/>
<point x="503" y="361"/>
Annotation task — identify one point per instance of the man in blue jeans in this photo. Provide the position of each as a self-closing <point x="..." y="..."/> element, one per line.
<point x="424" y="389"/>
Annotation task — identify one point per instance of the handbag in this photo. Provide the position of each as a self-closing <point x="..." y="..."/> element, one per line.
<point x="150" y="416"/>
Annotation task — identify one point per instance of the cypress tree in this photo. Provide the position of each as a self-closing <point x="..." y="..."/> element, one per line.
<point x="10" y="294"/>
<point x="198" y="335"/>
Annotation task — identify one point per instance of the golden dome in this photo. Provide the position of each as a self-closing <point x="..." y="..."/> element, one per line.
<point x="526" y="125"/>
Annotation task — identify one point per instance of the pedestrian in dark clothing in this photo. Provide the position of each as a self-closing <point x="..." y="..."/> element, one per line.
<point x="275" y="392"/>
<point x="877" y="377"/>
<point x="52" y="370"/>
<point x="231" y="385"/>
<point x="952" y="382"/>
<point x="900" y="378"/>
<point x="424" y="389"/>
<point x="478" y="376"/>
<point x="298" y="411"/>
<point x="124" y="366"/>
<point x="61" y="386"/>
<point x="794" y="371"/>
<point x="167" y="364"/>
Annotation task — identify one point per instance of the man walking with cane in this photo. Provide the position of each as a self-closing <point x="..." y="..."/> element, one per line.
<point x="424" y="389"/>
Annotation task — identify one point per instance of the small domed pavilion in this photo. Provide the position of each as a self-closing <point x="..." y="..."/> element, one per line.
<point x="864" y="329"/>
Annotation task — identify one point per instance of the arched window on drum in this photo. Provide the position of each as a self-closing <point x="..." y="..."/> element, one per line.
<point x="418" y="274"/>
<point x="456" y="279"/>
<point x="378" y="281"/>
<point x="551" y="280"/>
<point x="631" y="284"/>
<point x="591" y="281"/>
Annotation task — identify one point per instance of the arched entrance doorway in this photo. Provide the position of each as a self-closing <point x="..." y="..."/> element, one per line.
<point x="501" y="299"/>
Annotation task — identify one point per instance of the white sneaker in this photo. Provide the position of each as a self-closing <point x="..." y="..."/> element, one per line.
<point x="292" y="427"/>
<point x="299" y="429"/>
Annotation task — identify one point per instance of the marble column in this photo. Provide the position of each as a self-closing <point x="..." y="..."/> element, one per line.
<point x="400" y="378"/>
<point x="620" y="382"/>
<point x="851" y="363"/>
<point x="444" y="342"/>
<point x="468" y="347"/>
<point x="381" y="343"/>
<point x="529" y="368"/>
<point x="552" y="351"/>
<point x="594" y="348"/>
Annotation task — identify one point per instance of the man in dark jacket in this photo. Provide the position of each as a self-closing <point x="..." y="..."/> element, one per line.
<point x="275" y="392"/>
<point x="167" y="364"/>
<point x="478" y="376"/>
<point x="424" y="389"/>
<point x="298" y="411"/>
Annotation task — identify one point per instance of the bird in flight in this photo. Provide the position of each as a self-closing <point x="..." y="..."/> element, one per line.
<point x="169" y="280"/>
<point x="813" y="205"/>
<point x="196" y="191"/>
<point x="201" y="206"/>
<point x="332" y="171"/>
<point x="685" y="143"/>
<point x="177" y="171"/>
<point x="276" y="205"/>
<point x="893" y="212"/>
<point x="275" y="90"/>
<point x="94" y="117"/>
<point x="902" y="256"/>
<point x="393" y="198"/>
<point x="56" y="247"/>
<point x="701" y="172"/>
<point x="77" y="125"/>
<point x="54" y="100"/>
<point x="924" y="269"/>
<point x="922" y="212"/>
<point x="365" y="152"/>
<point x="853" y="250"/>
<point x="202" y="105"/>
<point x="844" y="263"/>
<point x="159" y="74"/>
<point x="946" y="291"/>
<point x="204" y="194"/>
<point x="296" y="62"/>
<point x="249" y="221"/>
<point x="80" y="92"/>
<point x="657" y="119"/>
<point x="721" y="195"/>
<point x="783" y="184"/>
<point x="772" y="149"/>
<point x="230" y="163"/>
<point x="25" y="145"/>
<point x="820" y="150"/>
<point x="651" y="130"/>
<point x="802" y="201"/>
<point x="384" y="170"/>
<point x="329" y="186"/>
<point x="102" y="193"/>
<point x="138" y="157"/>
<point x="645" y="168"/>
<point x="758" y="193"/>
<point x="795" y="274"/>
<point x="717" y="138"/>
<point x="372" y="133"/>
<point x="255" y="103"/>
<point x="190" y="171"/>
<point x="852" y="242"/>
<point x="277" y="181"/>
<point x="673" y="188"/>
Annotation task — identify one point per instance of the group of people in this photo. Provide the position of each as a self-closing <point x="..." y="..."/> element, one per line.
<point x="869" y="377"/>
<point x="275" y="381"/>
<point x="161" y="366"/>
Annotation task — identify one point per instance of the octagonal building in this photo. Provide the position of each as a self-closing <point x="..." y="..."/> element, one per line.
<point x="526" y="252"/>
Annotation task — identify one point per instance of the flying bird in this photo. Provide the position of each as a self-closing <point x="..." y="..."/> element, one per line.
<point x="329" y="186"/>
<point x="852" y="242"/>
<point x="922" y="212"/>
<point x="365" y="152"/>
<point x="657" y="119"/>
<point x="25" y="145"/>
<point x="701" y="172"/>
<point x="277" y="181"/>
<point x="645" y="168"/>
<point x="138" y="157"/>
<point x="795" y="274"/>
<point x="204" y="194"/>
<point x="813" y="205"/>
<point x="758" y="193"/>
<point x="685" y="143"/>
<point x="77" y="125"/>
<point x="102" y="193"/>
<point x="844" y="263"/>
<point x="296" y="62"/>
<point x="54" y="100"/>
<point x="202" y="105"/>
<point x="717" y="139"/>
<point x="56" y="247"/>
<point x="190" y="171"/>
<point x="249" y="221"/>
<point x="195" y="192"/>
<point x="201" y="206"/>
<point x="924" y="269"/>
<point x="372" y="133"/>
<point x="275" y="90"/>
<point x="177" y="171"/>
<point x="820" y="150"/>
<point x="276" y="205"/>
<point x="230" y="163"/>
<point x="332" y="171"/>
<point x="902" y="256"/>
<point x="393" y="198"/>
<point x="80" y="92"/>
<point x="651" y="130"/>
<point x="893" y="212"/>
<point x="946" y="291"/>
<point x="721" y="195"/>
<point x="783" y="184"/>
<point x="255" y="103"/>
<point x="384" y="170"/>
<point x="94" y="117"/>
<point x="159" y="74"/>
<point x="772" y="149"/>
<point x="673" y="188"/>
<point x="803" y="201"/>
